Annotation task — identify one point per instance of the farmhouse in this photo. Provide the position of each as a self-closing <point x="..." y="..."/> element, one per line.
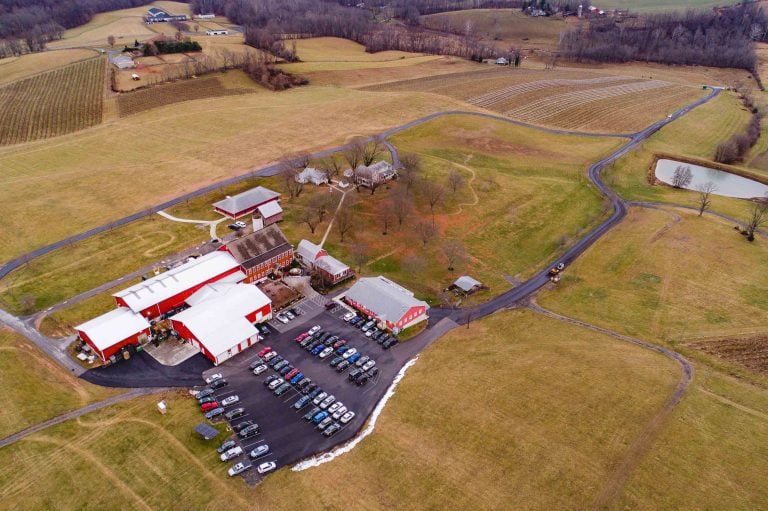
<point x="246" y="202"/>
<point x="216" y="32"/>
<point x="220" y="319"/>
<point x="156" y="15"/>
<point x="315" y="257"/>
<point x="262" y="253"/>
<point x="375" y="174"/>
<point x="111" y="332"/>
<point x="312" y="175"/>
<point x="165" y="293"/>
<point x="390" y="304"/>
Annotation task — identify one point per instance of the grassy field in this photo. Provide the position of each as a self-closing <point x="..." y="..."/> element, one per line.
<point x="661" y="5"/>
<point x="559" y="415"/>
<point x="17" y="68"/>
<point x="53" y="103"/>
<point x="670" y="276"/>
<point x="35" y="388"/>
<point x="504" y="26"/>
<point x="202" y="141"/>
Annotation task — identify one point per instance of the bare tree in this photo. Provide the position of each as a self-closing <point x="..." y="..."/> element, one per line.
<point x="758" y="216"/>
<point x="354" y="156"/>
<point x="344" y="221"/>
<point x="331" y="165"/>
<point x="410" y="170"/>
<point x="371" y="150"/>
<point x="309" y="216"/>
<point x="320" y="204"/>
<point x="288" y="173"/>
<point x="682" y="176"/>
<point x="434" y="192"/>
<point x="401" y="206"/>
<point x="426" y="231"/>
<point x="454" y="252"/>
<point x="360" y="253"/>
<point x="386" y="218"/>
<point x="705" y="195"/>
<point x="111" y="40"/>
<point x="414" y="264"/>
<point x="455" y="179"/>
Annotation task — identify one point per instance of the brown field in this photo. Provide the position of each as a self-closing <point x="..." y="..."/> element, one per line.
<point x="16" y="68"/>
<point x="749" y="352"/>
<point x="209" y="86"/>
<point x="60" y="101"/>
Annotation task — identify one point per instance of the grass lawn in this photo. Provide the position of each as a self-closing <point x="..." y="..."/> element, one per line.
<point x="35" y="388"/>
<point x="669" y="276"/>
<point x="61" y="323"/>
<point x="16" y="68"/>
<point x="660" y="5"/>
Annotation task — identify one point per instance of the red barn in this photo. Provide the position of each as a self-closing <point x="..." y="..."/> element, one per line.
<point x="247" y="202"/>
<point x="168" y="291"/>
<point x="221" y="317"/>
<point x="111" y="332"/>
<point x="262" y="252"/>
<point x="390" y="304"/>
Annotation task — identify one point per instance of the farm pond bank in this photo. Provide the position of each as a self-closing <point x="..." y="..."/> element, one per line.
<point x="727" y="184"/>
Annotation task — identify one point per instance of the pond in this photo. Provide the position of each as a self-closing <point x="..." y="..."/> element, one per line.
<point x="727" y="184"/>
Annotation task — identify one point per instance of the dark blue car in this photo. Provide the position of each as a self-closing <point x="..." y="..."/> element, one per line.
<point x="342" y="349"/>
<point x="318" y="349"/>
<point x="296" y="379"/>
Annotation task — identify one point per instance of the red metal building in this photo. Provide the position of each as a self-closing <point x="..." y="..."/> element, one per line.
<point x="111" y="332"/>
<point x="247" y="202"/>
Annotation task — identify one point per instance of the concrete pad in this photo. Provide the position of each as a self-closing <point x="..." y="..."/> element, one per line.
<point x="171" y="352"/>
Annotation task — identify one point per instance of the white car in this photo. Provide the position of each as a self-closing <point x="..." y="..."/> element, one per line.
<point x="348" y="316"/>
<point x="369" y="364"/>
<point x="339" y="413"/>
<point x="327" y="402"/>
<point x="372" y="331"/>
<point x="269" y="466"/>
<point x="232" y="453"/>
<point x="349" y="353"/>
<point x="327" y="351"/>
<point x="259" y="451"/>
<point x="347" y="417"/>
<point x="318" y="398"/>
<point x="335" y="406"/>
<point x="282" y="318"/>
<point x="276" y="383"/>
<point x="230" y="400"/>
<point x="240" y="224"/>
<point x="269" y="356"/>
<point x="289" y="315"/>
<point x="238" y="468"/>
<point x="214" y="377"/>
<point x="259" y="368"/>
<point x="314" y="329"/>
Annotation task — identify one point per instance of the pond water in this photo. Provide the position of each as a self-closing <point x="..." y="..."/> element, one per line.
<point x="728" y="185"/>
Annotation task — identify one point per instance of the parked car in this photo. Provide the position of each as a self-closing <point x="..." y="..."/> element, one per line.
<point x="240" y="224"/>
<point x="264" y="330"/>
<point x="206" y="399"/>
<point x="354" y="374"/>
<point x="368" y="364"/>
<point x="241" y="426"/>
<point x="338" y="344"/>
<point x="314" y="329"/>
<point x="342" y="366"/>
<point x="324" y="423"/>
<point x="264" y="351"/>
<point x="319" y="397"/>
<point x="249" y="431"/>
<point x="296" y="312"/>
<point x="234" y="227"/>
<point x="319" y="417"/>
<point x="204" y="393"/>
<point x="314" y="392"/>
<point x="309" y="389"/>
<point x="304" y="384"/>
<point x="326" y="351"/>
<point x="301" y="336"/>
<point x="389" y="343"/>
<point x="317" y="349"/>
<point x="330" y="304"/>
<point x="356" y="321"/>
<point x="333" y="428"/>
<point x="328" y="401"/>
<point x="373" y="372"/>
<point x="239" y="468"/>
<point x="269" y="356"/>
<point x="368" y="326"/>
<point x="349" y="316"/>
<point x="362" y="379"/>
<point x="306" y="342"/>
<point x="362" y="361"/>
<point x="282" y="389"/>
<point x="354" y="358"/>
<point x="335" y="406"/>
<point x="308" y="416"/>
<point x="275" y="383"/>
<point x="234" y="413"/>
<point x="226" y="446"/>
<point x="347" y="417"/>
<point x="207" y="407"/>
<point x="230" y="400"/>
<point x="232" y="453"/>
<point x="342" y="349"/>
<point x="259" y="451"/>
<point x="332" y="339"/>
<point x="217" y="384"/>
<point x="348" y="353"/>
<point x="382" y="338"/>
<point x="270" y="379"/>
<point x="297" y="378"/>
<point x="338" y="413"/>
<point x="214" y="413"/>
<point x="281" y="364"/>
<point x="302" y="402"/>
<point x="266" y="467"/>
<point x="286" y="369"/>
<point x="373" y="331"/>
<point x="256" y="363"/>
<point x="314" y="344"/>
<point x="276" y="360"/>
<point x="282" y="318"/>
<point x="213" y="377"/>
<point x="259" y="369"/>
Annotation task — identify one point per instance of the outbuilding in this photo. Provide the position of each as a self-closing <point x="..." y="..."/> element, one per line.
<point x="216" y="32"/>
<point x="390" y="304"/>
<point x="315" y="257"/>
<point x="467" y="284"/>
<point x="111" y="332"/>
<point x="220" y="319"/>
<point x="244" y="203"/>
<point x="168" y="291"/>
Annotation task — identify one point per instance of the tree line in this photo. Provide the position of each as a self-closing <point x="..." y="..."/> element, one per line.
<point x="719" y="39"/>
<point x="736" y="148"/>
<point x="27" y="25"/>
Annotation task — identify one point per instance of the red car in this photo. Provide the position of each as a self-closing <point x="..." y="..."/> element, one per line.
<point x="301" y="337"/>
<point x="339" y="344"/>
<point x="291" y="374"/>
<point x="264" y="351"/>
<point x="207" y="407"/>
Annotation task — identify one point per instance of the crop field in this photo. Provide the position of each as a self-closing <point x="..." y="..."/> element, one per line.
<point x="233" y="83"/>
<point x="750" y="352"/>
<point x="16" y="68"/>
<point x="660" y="5"/>
<point x="54" y="103"/>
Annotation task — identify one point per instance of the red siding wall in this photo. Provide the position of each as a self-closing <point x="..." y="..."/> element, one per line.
<point x="237" y="214"/>
<point x="260" y="272"/>
<point x="415" y="311"/>
<point x="108" y="352"/>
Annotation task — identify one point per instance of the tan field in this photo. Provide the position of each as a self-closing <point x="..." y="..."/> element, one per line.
<point x="17" y="68"/>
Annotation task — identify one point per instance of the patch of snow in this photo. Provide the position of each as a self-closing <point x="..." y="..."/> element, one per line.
<point x="316" y="461"/>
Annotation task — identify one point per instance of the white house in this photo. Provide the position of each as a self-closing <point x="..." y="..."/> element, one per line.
<point x="312" y="175"/>
<point x="216" y="32"/>
<point x="374" y="174"/>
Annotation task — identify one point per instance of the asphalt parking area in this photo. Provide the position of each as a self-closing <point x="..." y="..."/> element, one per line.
<point x="289" y="436"/>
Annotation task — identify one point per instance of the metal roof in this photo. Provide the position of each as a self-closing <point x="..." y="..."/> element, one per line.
<point x="114" y="326"/>
<point x="270" y="209"/>
<point x="177" y="280"/>
<point x="384" y="298"/>
<point x="331" y="265"/>
<point x="246" y="200"/>
<point x="257" y="247"/>
<point x="308" y="251"/>
<point x="466" y="283"/>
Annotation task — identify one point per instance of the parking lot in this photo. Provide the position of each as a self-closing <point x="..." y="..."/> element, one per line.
<point x="289" y="436"/>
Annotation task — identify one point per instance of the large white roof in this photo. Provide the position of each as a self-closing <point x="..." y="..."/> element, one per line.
<point x="270" y="209"/>
<point x="308" y="250"/>
<point x="177" y="280"/>
<point x="384" y="298"/>
<point x="246" y="200"/>
<point x="217" y="313"/>
<point x="114" y="326"/>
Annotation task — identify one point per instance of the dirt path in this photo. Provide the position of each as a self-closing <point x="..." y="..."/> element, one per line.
<point x="726" y="401"/>
<point x="330" y="222"/>
<point x="616" y="482"/>
<point x="475" y="200"/>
